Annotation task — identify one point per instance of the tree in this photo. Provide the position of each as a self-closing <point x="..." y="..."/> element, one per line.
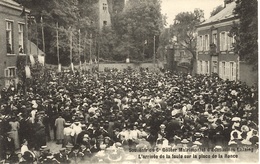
<point x="216" y="10"/>
<point x="184" y="28"/>
<point x="137" y="24"/>
<point x="246" y="31"/>
<point x="71" y="15"/>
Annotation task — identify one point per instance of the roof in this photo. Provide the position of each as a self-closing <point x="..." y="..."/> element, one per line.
<point x="12" y="4"/>
<point x="226" y="13"/>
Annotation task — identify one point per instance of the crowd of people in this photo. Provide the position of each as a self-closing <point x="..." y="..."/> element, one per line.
<point x="101" y="116"/>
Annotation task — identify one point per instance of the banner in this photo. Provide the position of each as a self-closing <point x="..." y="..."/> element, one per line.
<point x="41" y="59"/>
<point x="72" y="67"/>
<point x="27" y="72"/>
<point x="80" y="65"/>
<point x="32" y="60"/>
<point x="59" y="67"/>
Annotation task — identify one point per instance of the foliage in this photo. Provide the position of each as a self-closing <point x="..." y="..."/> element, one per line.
<point x="246" y="32"/>
<point x="137" y="24"/>
<point x="216" y="10"/>
<point x="71" y="15"/>
<point x="184" y="28"/>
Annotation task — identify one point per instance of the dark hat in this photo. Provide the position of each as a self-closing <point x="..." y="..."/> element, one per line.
<point x="62" y="149"/>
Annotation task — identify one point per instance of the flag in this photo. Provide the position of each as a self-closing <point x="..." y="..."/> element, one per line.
<point x="59" y="67"/>
<point x="145" y="42"/>
<point x="27" y="72"/>
<point x="72" y="67"/>
<point x="32" y="60"/>
<point x="80" y="67"/>
<point x="41" y="59"/>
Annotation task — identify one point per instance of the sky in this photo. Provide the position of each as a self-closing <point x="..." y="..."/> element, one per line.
<point x="172" y="7"/>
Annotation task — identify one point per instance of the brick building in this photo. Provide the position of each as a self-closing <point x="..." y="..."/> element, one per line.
<point x="215" y="53"/>
<point x="12" y="40"/>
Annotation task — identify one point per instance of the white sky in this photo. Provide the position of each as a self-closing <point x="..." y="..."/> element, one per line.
<point x="172" y="7"/>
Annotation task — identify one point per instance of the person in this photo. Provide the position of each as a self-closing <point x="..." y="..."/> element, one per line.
<point x="68" y="132"/>
<point x="59" y="124"/>
<point x="20" y="49"/>
<point x="62" y="156"/>
<point x="9" y="146"/>
<point x="15" y="125"/>
<point x="24" y="147"/>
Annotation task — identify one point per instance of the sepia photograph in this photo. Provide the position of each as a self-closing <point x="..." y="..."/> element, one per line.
<point x="128" y="81"/>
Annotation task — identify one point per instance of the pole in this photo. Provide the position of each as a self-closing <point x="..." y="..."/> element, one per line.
<point x="90" y="53"/>
<point x="27" y="38"/>
<point x="79" y="52"/>
<point x="58" y="52"/>
<point x="154" y="50"/>
<point x="84" y="52"/>
<point x="98" y="52"/>
<point x="37" y="43"/>
<point x="26" y="50"/>
<point x="43" y="40"/>
<point x="70" y="46"/>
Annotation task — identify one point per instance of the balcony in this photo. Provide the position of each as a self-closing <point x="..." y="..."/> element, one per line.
<point x="213" y="50"/>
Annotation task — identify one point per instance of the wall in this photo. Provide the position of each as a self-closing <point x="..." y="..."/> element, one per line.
<point x="247" y="75"/>
<point x="121" y="66"/>
<point x="7" y="13"/>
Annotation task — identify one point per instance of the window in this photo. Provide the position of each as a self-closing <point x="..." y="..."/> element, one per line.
<point x="201" y="67"/>
<point x="215" y="66"/>
<point x="233" y="71"/>
<point x="10" y="72"/>
<point x="223" y="44"/>
<point x="104" y="6"/>
<point x="10" y="75"/>
<point x="206" y="42"/>
<point x="214" y="41"/>
<point x="207" y="67"/>
<point x="104" y="23"/>
<point x="9" y="37"/>
<point x="200" y="45"/>
<point x="21" y="38"/>
<point x="227" y="71"/>
<point x="222" y="70"/>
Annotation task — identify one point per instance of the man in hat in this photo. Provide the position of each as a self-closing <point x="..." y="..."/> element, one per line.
<point x="62" y="156"/>
<point x="59" y="124"/>
<point x="8" y="147"/>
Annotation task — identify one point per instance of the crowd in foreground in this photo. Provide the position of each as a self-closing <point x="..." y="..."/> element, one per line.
<point x="99" y="117"/>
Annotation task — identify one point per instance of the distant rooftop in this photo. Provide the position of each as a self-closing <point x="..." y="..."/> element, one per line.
<point x="226" y="13"/>
<point x="14" y="5"/>
<point x="12" y="2"/>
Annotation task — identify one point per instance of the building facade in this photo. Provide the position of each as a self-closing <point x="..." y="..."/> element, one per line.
<point x="104" y="15"/>
<point x="215" y="51"/>
<point x="12" y="40"/>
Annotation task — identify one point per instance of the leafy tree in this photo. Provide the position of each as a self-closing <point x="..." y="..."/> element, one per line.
<point x="184" y="28"/>
<point x="71" y="15"/>
<point x="246" y="31"/>
<point x="216" y="10"/>
<point x="137" y="24"/>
